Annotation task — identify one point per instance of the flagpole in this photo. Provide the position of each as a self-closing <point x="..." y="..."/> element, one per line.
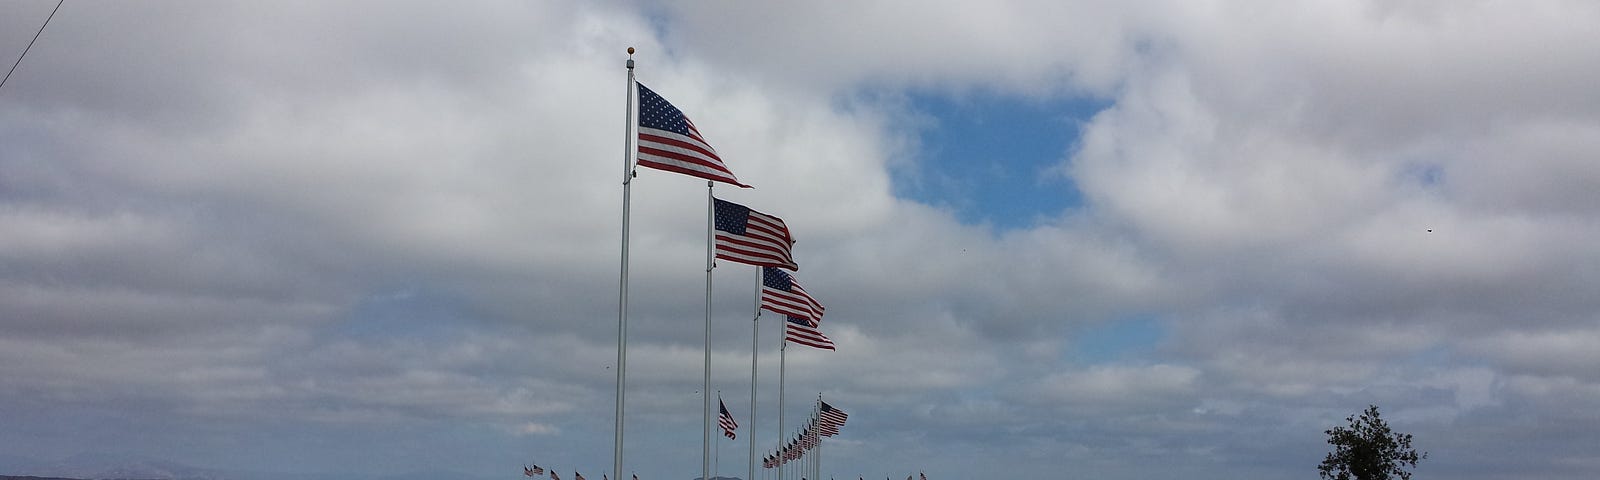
<point x="705" y="427"/>
<point x="782" y="349"/>
<point x="716" y="462"/>
<point x="622" y="292"/>
<point x="755" y="342"/>
<point x="816" y="418"/>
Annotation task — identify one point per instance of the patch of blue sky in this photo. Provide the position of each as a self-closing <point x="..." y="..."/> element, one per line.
<point x="402" y="313"/>
<point x="1122" y="339"/>
<point x="1423" y="173"/>
<point x="996" y="159"/>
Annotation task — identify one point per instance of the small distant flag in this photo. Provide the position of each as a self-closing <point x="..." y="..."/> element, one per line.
<point x="782" y="294"/>
<point x="669" y="141"/>
<point x="827" y="414"/>
<point x="579" y="476"/>
<point x="553" y="475"/>
<point x="802" y="331"/>
<point x="527" y="471"/>
<point x="726" y="421"/>
<point x="750" y="237"/>
<point x="923" y="476"/>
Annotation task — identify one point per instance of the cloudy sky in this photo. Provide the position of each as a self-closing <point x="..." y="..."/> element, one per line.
<point x="1056" y="239"/>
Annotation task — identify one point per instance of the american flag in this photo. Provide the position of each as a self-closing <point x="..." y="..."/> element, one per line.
<point x="781" y="294"/>
<point x="669" y="141"/>
<point x="750" y="237"/>
<point x="831" y="418"/>
<point x="726" y="421"/>
<point x="802" y="331"/>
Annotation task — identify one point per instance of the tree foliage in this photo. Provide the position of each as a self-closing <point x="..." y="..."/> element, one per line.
<point x="1368" y="450"/>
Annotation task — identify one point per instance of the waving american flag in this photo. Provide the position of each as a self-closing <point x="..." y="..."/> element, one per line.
<point x="725" y="419"/>
<point x="669" y="141"/>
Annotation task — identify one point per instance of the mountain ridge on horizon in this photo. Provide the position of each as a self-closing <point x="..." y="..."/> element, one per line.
<point x="114" y="466"/>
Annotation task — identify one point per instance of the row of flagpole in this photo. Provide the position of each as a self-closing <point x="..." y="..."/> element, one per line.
<point x="659" y="136"/>
<point x="537" y="471"/>
<point x="803" y="452"/>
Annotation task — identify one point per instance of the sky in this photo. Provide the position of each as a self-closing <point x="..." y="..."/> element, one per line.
<point x="1056" y="239"/>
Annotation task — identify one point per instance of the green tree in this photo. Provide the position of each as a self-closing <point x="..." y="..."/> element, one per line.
<point x="1368" y="450"/>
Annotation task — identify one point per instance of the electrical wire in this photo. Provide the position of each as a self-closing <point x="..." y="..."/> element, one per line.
<point x="30" y="43"/>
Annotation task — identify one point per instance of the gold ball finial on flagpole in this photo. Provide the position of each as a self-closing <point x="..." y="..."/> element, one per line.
<point x="630" y="50"/>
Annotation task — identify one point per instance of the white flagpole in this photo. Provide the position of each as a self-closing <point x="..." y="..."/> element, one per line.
<point x="782" y="349"/>
<point x="755" y="341"/>
<point x="705" y="392"/>
<point x="716" y="463"/>
<point x="622" y="292"/>
<point x="816" y="419"/>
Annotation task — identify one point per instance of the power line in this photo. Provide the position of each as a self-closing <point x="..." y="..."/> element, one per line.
<point x="30" y="42"/>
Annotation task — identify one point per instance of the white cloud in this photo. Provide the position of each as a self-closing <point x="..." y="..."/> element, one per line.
<point x="532" y="428"/>
<point x="1119" y="387"/>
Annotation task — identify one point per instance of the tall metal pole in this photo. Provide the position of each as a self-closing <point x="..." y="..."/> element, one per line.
<point x="622" y="292"/>
<point x="782" y="348"/>
<point x="816" y="418"/>
<point x="716" y="459"/>
<point x="705" y="392"/>
<point x="755" y="342"/>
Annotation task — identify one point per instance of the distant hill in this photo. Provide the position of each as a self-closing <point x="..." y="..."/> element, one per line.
<point x="107" y="466"/>
<point x="13" y="477"/>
